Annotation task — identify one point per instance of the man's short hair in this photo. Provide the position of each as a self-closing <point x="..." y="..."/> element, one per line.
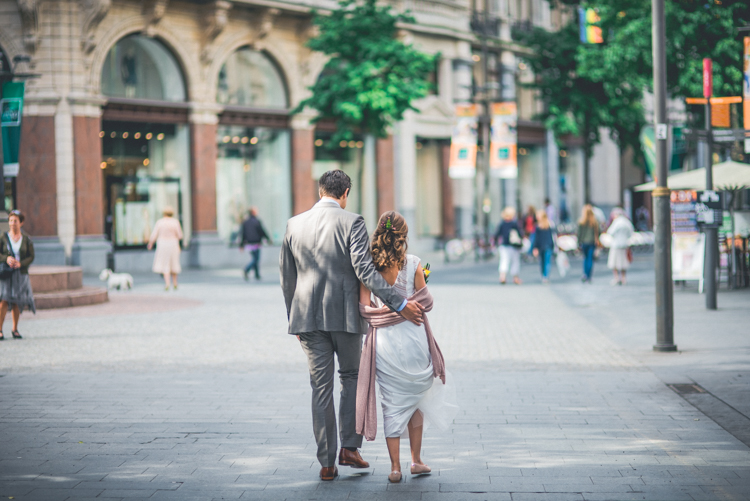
<point x="334" y="183"/>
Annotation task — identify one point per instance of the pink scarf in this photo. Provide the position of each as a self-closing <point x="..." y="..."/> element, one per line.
<point x="367" y="418"/>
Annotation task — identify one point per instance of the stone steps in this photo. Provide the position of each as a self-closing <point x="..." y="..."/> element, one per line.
<point x="62" y="287"/>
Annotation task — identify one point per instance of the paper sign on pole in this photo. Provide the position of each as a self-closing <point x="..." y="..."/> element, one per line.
<point x="464" y="143"/>
<point x="504" y="141"/>
<point x="746" y="91"/>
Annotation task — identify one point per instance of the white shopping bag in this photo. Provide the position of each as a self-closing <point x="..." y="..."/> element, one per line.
<point x="563" y="263"/>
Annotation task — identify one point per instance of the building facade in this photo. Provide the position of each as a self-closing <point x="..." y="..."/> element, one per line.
<point x="143" y="104"/>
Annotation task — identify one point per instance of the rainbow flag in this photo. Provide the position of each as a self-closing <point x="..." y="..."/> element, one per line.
<point x="589" y="33"/>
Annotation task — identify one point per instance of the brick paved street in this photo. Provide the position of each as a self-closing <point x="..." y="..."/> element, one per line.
<point x="200" y="394"/>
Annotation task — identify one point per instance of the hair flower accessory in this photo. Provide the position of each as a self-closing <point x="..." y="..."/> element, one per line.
<point x="387" y="224"/>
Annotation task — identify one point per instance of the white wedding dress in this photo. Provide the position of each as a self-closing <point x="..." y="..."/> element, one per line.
<point x="403" y="369"/>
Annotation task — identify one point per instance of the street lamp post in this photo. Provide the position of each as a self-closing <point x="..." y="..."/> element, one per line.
<point x="662" y="216"/>
<point x="710" y="231"/>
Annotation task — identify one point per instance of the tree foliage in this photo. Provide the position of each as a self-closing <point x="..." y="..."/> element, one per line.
<point x="575" y="103"/>
<point x="371" y="77"/>
<point x="695" y="29"/>
<point x="587" y="86"/>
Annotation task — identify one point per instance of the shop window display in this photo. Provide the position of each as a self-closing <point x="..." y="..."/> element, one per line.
<point x="253" y="169"/>
<point x="146" y="167"/>
<point x="139" y="67"/>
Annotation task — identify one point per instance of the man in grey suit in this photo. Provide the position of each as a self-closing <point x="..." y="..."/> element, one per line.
<point x="324" y="257"/>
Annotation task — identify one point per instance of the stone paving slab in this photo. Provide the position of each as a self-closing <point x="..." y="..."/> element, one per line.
<point x="201" y="395"/>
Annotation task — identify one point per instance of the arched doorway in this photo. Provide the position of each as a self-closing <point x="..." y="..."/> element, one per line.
<point x="253" y="167"/>
<point x="145" y="140"/>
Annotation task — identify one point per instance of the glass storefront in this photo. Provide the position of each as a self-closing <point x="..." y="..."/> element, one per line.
<point x="146" y="165"/>
<point x="146" y="168"/>
<point x="253" y="170"/>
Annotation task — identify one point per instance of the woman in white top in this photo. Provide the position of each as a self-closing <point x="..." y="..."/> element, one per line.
<point x="618" y="261"/>
<point x="403" y="365"/>
<point x="17" y="250"/>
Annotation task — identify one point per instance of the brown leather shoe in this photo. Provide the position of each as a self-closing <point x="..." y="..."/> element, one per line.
<point x="328" y="473"/>
<point x="352" y="458"/>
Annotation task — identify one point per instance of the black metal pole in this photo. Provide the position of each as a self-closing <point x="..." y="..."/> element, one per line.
<point x="487" y="123"/>
<point x="711" y="231"/>
<point x="662" y="216"/>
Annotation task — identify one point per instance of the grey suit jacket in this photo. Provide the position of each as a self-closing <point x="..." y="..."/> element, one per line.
<point x="325" y="255"/>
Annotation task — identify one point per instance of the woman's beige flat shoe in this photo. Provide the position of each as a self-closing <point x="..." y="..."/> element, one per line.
<point x="418" y="469"/>
<point x="394" y="477"/>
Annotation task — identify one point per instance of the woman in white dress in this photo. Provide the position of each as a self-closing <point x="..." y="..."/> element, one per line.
<point x="618" y="261"/>
<point x="403" y="365"/>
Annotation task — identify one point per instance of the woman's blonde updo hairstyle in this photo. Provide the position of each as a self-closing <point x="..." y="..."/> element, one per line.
<point x="388" y="245"/>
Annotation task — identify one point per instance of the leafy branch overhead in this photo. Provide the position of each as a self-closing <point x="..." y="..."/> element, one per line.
<point x="586" y="86"/>
<point x="372" y="77"/>
<point x="576" y="103"/>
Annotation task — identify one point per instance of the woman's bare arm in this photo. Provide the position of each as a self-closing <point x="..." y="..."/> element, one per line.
<point x="364" y="294"/>
<point x="419" y="281"/>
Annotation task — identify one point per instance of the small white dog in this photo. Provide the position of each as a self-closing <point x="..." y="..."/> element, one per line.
<point x="116" y="280"/>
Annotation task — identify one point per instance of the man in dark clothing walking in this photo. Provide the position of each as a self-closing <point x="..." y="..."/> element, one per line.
<point x="252" y="237"/>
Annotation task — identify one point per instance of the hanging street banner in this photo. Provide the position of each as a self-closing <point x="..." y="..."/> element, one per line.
<point x="746" y="91"/>
<point x="463" y="155"/>
<point x="504" y="141"/>
<point x="11" y="107"/>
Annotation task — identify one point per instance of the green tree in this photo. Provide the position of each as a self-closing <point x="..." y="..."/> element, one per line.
<point x="575" y="103"/>
<point x="695" y="29"/>
<point x="372" y="77"/>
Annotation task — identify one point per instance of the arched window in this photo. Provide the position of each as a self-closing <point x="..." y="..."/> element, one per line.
<point x="139" y="67"/>
<point x="249" y="78"/>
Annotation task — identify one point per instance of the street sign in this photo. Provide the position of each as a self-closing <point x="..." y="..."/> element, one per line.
<point x="12" y="110"/>
<point x="708" y="209"/>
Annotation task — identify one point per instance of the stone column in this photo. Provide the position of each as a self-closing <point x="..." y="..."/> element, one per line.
<point x="36" y="183"/>
<point x="386" y="179"/>
<point x="449" y="213"/>
<point x="90" y="247"/>
<point x="304" y="186"/>
<point x="206" y="248"/>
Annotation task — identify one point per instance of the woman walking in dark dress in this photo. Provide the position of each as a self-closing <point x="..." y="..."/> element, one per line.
<point x="16" y="249"/>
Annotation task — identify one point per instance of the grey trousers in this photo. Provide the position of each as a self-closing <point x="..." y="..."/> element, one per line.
<point x="320" y="346"/>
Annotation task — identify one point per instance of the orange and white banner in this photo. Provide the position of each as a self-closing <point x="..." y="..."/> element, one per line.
<point x="463" y="161"/>
<point x="504" y="141"/>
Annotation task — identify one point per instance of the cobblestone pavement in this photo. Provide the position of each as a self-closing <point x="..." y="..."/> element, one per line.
<point x="199" y="394"/>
